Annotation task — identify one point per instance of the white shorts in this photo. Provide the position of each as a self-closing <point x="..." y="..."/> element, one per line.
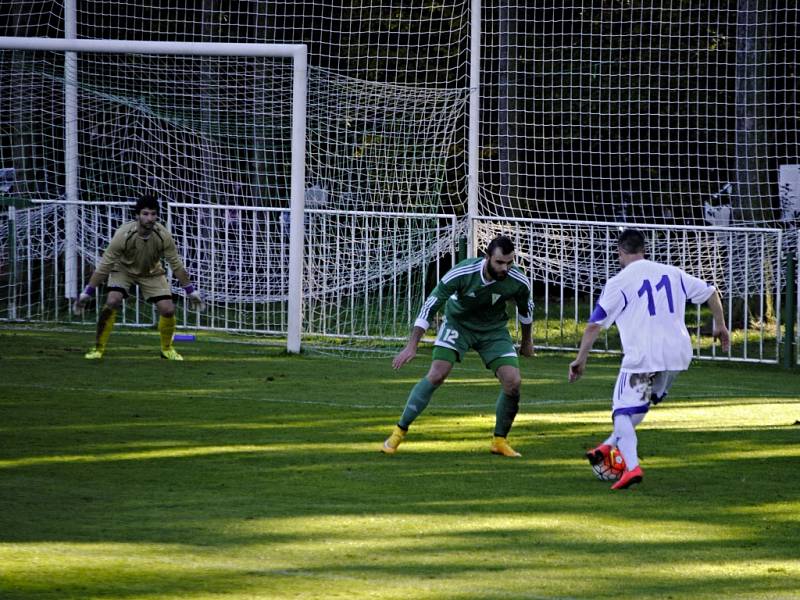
<point x="634" y="391"/>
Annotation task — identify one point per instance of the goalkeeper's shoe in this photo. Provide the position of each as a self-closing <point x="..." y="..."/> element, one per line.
<point x="171" y="354"/>
<point x="93" y="354"/>
<point x="500" y="446"/>
<point x="597" y="455"/>
<point x="393" y="441"/>
<point x="629" y="478"/>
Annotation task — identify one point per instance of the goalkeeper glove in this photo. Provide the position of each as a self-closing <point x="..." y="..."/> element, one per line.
<point x="80" y="304"/>
<point x="195" y="299"/>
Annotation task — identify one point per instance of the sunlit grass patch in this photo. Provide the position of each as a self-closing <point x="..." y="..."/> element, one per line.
<point x="245" y="473"/>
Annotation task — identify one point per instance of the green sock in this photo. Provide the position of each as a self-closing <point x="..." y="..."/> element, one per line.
<point x="417" y="401"/>
<point x="505" y="412"/>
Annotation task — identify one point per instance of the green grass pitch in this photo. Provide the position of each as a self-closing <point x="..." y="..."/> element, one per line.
<point x="243" y="473"/>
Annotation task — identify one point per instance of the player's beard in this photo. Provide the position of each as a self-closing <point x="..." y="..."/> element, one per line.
<point x="494" y="274"/>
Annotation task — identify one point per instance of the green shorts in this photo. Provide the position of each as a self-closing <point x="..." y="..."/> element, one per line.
<point x="494" y="347"/>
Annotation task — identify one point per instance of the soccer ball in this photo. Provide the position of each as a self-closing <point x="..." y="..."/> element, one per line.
<point x="611" y="468"/>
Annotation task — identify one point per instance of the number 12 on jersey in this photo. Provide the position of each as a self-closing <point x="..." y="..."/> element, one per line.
<point x="647" y="288"/>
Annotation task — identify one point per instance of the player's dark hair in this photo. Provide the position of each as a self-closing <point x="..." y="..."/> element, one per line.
<point x="146" y="201"/>
<point x="501" y="241"/>
<point x="631" y="241"/>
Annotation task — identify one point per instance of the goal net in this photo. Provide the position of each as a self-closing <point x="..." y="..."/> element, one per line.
<point x="644" y="113"/>
<point x="212" y="135"/>
<point x="647" y="112"/>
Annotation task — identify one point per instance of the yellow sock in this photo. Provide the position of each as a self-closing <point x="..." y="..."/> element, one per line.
<point x="166" y="329"/>
<point x="104" y="326"/>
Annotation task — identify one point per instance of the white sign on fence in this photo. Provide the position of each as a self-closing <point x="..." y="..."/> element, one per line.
<point x="789" y="190"/>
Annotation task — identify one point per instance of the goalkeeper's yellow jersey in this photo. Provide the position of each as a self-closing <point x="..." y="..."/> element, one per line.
<point x="139" y="257"/>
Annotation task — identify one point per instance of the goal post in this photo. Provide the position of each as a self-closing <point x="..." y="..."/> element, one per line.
<point x="298" y="55"/>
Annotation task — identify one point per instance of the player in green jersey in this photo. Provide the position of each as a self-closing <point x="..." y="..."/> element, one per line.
<point x="474" y="294"/>
<point x="134" y="257"/>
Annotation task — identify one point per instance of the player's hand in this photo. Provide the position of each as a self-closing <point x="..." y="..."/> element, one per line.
<point x="405" y="355"/>
<point x="576" y="368"/>
<point x="196" y="300"/>
<point x="194" y="297"/>
<point x="526" y="348"/>
<point x="721" y="333"/>
<point x="80" y="304"/>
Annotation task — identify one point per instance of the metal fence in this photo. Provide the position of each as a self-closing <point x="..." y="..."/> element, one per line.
<point x="569" y="262"/>
<point x="367" y="273"/>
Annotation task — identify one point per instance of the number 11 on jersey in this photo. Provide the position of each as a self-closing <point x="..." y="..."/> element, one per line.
<point x="647" y="288"/>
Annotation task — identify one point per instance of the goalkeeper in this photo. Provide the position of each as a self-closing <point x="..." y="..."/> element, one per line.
<point x="474" y="294"/>
<point x="134" y="257"/>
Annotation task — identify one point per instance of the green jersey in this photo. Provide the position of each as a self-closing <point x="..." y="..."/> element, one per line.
<point x="477" y="303"/>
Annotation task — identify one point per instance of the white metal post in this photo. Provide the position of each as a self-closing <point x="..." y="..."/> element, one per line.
<point x="473" y="140"/>
<point x="12" y="262"/>
<point x="70" y="155"/>
<point x="134" y="47"/>
<point x="296" y="223"/>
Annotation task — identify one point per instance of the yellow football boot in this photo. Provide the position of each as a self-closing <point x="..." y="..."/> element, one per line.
<point x="393" y="441"/>
<point x="171" y="354"/>
<point x="500" y="446"/>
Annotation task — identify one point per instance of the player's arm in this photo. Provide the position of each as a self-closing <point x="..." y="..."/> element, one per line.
<point x="96" y="280"/>
<point x="720" y="331"/>
<point x="410" y="351"/>
<point x="577" y="366"/>
<point x="525" y="318"/>
<point x="183" y="277"/>
<point x="180" y="272"/>
<point x="526" y="341"/>
<point x="109" y="259"/>
<point x="699" y="292"/>
<point x="609" y="306"/>
<point x="100" y="274"/>
<point x="443" y="290"/>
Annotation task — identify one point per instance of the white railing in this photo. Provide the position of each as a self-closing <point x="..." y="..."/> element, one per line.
<point x="365" y="274"/>
<point x="568" y="263"/>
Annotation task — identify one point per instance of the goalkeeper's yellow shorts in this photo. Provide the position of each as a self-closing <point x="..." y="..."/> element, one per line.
<point x="153" y="288"/>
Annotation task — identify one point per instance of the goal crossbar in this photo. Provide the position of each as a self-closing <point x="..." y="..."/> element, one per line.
<point x="297" y="51"/>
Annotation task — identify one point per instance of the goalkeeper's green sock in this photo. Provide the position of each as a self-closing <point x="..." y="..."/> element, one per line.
<point x="166" y="329"/>
<point x="417" y="401"/>
<point x="105" y="323"/>
<point x="505" y="413"/>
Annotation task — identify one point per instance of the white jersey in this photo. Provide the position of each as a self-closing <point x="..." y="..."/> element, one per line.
<point x="647" y="301"/>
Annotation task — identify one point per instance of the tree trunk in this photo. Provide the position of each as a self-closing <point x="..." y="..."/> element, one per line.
<point x="22" y="106"/>
<point x="749" y="127"/>
<point x="506" y="104"/>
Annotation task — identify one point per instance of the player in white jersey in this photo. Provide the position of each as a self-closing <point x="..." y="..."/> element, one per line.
<point x="647" y="301"/>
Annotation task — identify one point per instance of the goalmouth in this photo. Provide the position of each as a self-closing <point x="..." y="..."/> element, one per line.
<point x="71" y="199"/>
